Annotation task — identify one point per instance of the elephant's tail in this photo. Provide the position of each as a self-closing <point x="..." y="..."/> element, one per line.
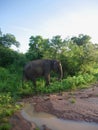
<point x="22" y="80"/>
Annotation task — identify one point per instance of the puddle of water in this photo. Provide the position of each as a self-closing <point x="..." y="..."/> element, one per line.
<point x="53" y="122"/>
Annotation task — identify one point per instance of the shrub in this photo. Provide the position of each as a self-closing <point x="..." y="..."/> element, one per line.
<point x="5" y="126"/>
<point x="7" y="108"/>
<point x="9" y="82"/>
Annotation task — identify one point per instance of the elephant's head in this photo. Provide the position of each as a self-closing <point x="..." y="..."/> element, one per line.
<point x="58" y="68"/>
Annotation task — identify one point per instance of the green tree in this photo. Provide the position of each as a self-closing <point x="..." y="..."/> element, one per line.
<point x="7" y="40"/>
<point x="81" y="39"/>
<point x="7" y="55"/>
<point x="12" y="59"/>
<point x="55" y="47"/>
<point x="37" y="45"/>
<point x="88" y="53"/>
<point x="70" y="58"/>
<point x="75" y="53"/>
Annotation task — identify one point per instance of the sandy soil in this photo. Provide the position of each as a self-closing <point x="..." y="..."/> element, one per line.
<point x="80" y="105"/>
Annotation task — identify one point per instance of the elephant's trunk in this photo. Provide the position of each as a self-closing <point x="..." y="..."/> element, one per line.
<point x="60" y="73"/>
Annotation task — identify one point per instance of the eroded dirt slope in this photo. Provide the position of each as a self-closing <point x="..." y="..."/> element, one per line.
<point x="81" y="105"/>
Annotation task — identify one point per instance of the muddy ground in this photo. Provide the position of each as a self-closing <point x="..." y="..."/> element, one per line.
<point x="79" y="105"/>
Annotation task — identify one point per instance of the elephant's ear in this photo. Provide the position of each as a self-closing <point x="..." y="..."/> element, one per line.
<point x="57" y="65"/>
<point x="56" y="62"/>
<point x="52" y="64"/>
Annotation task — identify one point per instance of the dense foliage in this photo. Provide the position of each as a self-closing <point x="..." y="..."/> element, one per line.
<point x="78" y="56"/>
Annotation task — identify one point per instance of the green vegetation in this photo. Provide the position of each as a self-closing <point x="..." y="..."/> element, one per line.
<point x="72" y="100"/>
<point x="78" y="56"/>
<point x="7" y="108"/>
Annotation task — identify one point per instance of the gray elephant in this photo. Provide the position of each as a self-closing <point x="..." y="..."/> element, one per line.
<point x="39" y="68"/>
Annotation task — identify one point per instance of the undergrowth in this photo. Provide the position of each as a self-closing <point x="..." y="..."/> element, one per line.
<point x="7" y="109"/>
<point x="11" y="90"/>
<point x="70" y="83"/>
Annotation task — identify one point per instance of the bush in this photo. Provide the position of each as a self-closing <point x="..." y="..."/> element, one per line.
<point x="7" y="108"/>
<point x="5" y="126"/>
<point x="70" y="83"/>
<point x="9" y="82"/>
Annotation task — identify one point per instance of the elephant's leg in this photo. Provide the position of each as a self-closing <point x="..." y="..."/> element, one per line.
<point x="34" y="82"/>
<point x="24" y="80"/>
<point x="47" y="78"/>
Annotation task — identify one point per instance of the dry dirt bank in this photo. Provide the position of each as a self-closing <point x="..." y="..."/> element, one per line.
<point x="81" y="105"/>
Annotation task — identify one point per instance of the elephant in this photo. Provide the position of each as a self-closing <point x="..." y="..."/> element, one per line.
<point x="41" y="68"/>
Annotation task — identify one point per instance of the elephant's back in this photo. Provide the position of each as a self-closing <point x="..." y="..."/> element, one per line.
<point x="34" y="68"/>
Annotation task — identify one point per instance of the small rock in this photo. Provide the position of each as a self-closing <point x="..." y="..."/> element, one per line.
<point x="46" y="98"/>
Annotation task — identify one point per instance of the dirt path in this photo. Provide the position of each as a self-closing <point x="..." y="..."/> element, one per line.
<point x="81" y="105"/>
